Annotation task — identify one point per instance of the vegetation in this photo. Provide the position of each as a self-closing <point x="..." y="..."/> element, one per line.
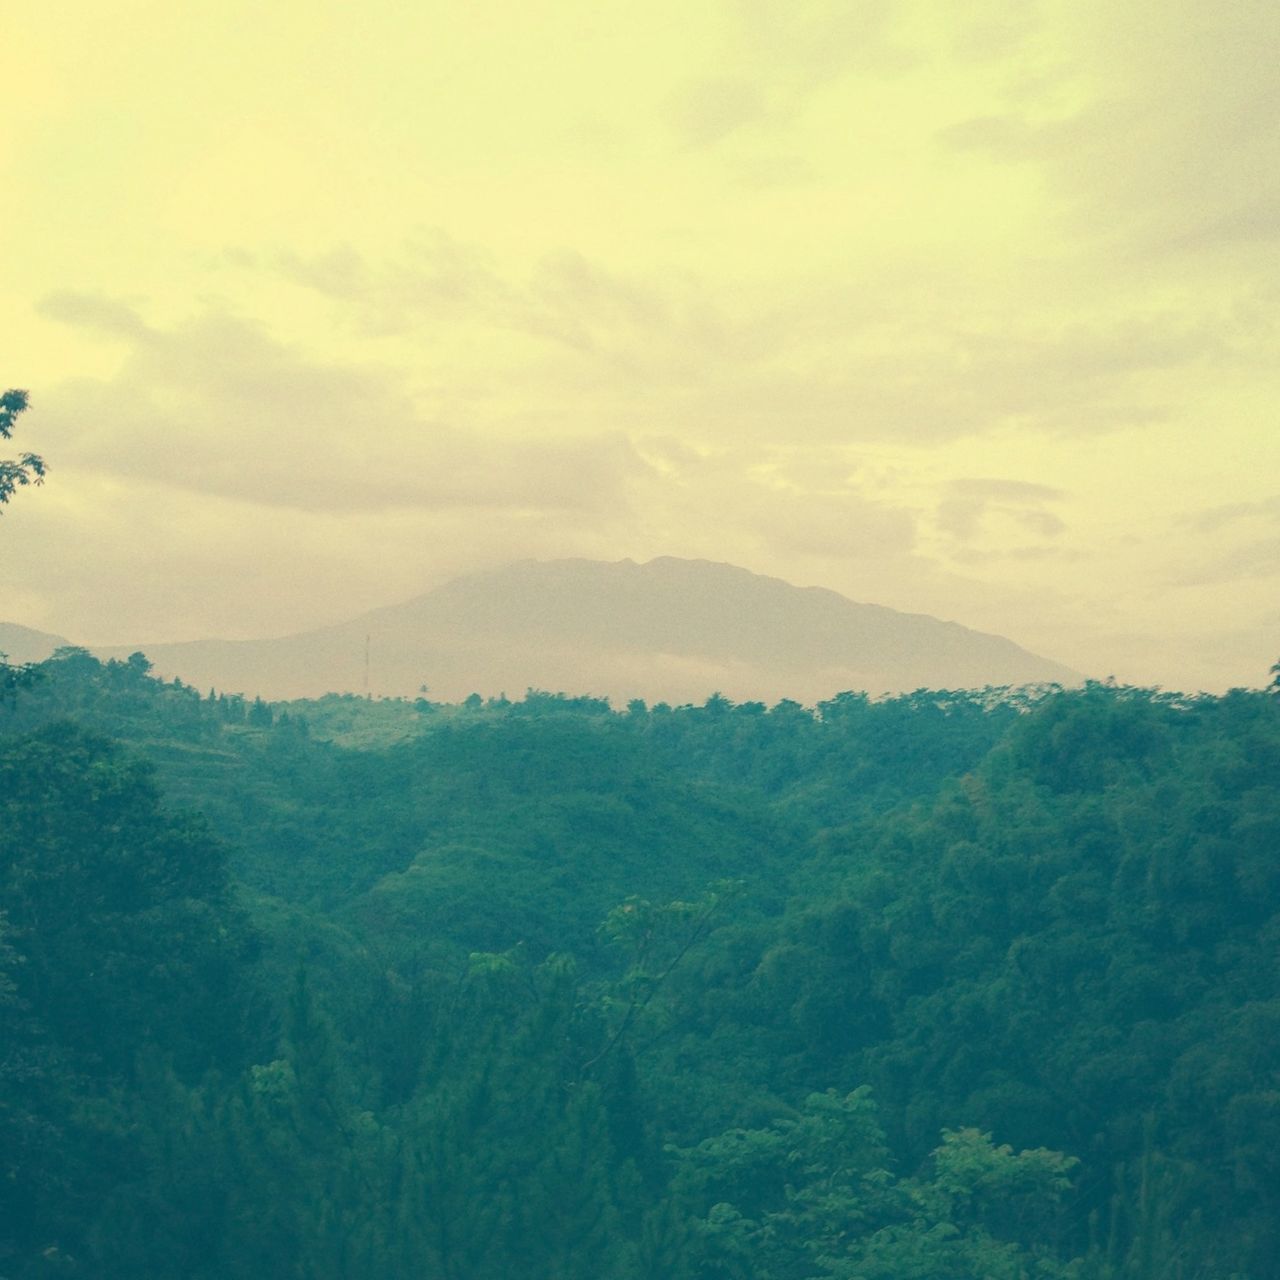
<point x="29" y="468"/>
<point x="953" y="985"/>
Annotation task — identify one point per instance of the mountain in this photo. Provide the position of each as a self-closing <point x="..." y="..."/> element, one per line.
<point x="672" y="630"/>
<point x="22" y="644"/>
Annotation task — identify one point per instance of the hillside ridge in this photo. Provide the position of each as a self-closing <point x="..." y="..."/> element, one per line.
<point x="668" y="629"/>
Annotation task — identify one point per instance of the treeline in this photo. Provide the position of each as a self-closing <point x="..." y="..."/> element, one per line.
<point x="951" y="985"/>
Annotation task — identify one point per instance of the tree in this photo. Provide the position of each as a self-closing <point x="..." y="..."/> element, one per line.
<point x="27" y="469"/>
<point x="122" y="913"/>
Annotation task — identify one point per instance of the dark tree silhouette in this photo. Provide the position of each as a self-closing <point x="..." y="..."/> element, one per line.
<point x="27" y="469"/>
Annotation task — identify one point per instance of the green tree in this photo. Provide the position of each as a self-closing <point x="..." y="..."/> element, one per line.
<point x="812" y="1195"/>
<point x="122" y="913"/>
<point x="27" y="468"/>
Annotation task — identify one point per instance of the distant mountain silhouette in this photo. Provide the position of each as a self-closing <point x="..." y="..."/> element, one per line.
<point x="673" y="630"/>
<point x="22" y="644"/>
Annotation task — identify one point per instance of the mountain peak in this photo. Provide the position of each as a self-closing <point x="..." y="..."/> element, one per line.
<point x="667" y="629"/>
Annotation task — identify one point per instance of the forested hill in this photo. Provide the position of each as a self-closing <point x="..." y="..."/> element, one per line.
<point x="947" y="985"/>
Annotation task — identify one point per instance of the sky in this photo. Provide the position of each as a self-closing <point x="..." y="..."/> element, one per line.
<point x="969" y="310"/>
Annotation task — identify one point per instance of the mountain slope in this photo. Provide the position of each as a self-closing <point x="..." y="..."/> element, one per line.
<point x="22" y="644"/>
<point x="674" y="630"/>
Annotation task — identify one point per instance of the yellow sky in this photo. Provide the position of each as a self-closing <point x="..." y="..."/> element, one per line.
<point x="963" y="309"/>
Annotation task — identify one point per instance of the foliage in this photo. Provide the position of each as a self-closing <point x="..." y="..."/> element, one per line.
<point x="811" y="1195"/>
<point x="28" y="468"/>
<point x="953" y="985"/>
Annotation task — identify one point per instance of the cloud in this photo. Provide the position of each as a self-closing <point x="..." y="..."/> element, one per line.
<point x="1006" y="137"/>
<point x="224" y="483"/>
<point x="617" y="329"/>
<point x="216" y="406"/>
<point x="830" y="526"/>
<point x="904" y="380"/>
<point x="971" y="501"/>
<point x="1256" y="559"/>
<point x="1230" y="513"/>
<point x="255" y="457"/>
<point x="1156" y="129"/>
<point x="706" y="111"/>
<point x="974" y="556"/>
<point x="578" y="304"/>
<point x="593" y="345"/>
<point x="89" y="311"/>
<point x="435" y="280"/>
<point x="814" y="41"/>
<point x="995" y="30"/>
<point x="993" y="490"/>
<point x="1044" y="523"/>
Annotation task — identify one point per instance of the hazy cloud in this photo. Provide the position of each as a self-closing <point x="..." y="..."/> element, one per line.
<point x="995" y="490"/>
<point x="705" y="111"/>
<point x="621" y="329"/>
<point x="971" y="500"/>
<point x="1169" y="145"/>
<point x="106" y="315"/>
<point x="986" y="30"/>
<point x="218" y="407"/>
<point x="1233" y="512"/>
<point x="1007" y="137"/>
<point x="436" y="280"/>
<point x="844" y="526"/>
<point x="638" y="351"/>
<point x="975" y="556"/>
<point x="1258" y="558"/>
<point x="812" y="41"/>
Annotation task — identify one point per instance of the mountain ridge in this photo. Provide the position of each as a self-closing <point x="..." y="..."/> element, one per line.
<point x="668" y="629"/>
<point x="21" y="644"/>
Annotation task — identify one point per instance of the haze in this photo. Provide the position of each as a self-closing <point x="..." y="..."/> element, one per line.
<point x="963" y="310"/>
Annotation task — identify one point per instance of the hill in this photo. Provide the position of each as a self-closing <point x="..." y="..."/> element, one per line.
<point x="953" y="984"/>
<point x="22" y="644"/>
<point x="672" y="630"/>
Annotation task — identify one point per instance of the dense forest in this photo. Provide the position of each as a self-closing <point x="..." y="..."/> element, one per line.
<point x="955" y="985"/>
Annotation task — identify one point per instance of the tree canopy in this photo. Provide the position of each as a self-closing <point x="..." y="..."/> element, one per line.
<point x="960" y="984"/>
<point x="27" y="468"/>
